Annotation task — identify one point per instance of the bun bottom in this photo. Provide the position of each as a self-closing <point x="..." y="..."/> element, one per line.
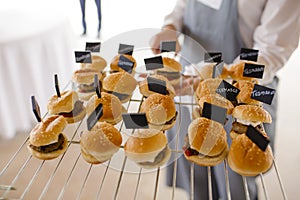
<point x="85" y="96"/>
<point x="208" y="161"/>
<point x="76" y="118"/>
<point x="164" y="160"/>
<point x="50" y="155"/>
<point x="112" y="121"/>
<point x="91" y="159"/>
<point x="162" y="127"/>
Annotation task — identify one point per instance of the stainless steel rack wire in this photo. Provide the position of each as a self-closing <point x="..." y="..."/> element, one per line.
<point x="70" y="177"/>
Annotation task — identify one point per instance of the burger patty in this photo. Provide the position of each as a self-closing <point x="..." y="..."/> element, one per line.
<point x="160" y="156"/>
<point x="50" y="147"/>
<point x="119" y="95"/>
<point x="242" y="128"/>
<point x="85" y="88"/>
<point x="78" y="107"/>
<point x="169" y="75"/>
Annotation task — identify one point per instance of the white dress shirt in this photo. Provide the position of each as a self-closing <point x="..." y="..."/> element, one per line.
<point x="271" y="26"/>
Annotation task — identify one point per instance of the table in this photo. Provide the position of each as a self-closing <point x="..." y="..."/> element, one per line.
<point x="33" y="47"/>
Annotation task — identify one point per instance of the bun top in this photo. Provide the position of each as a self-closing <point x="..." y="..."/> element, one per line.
<point x="158" y="108"/>
<point x="236" y="71"/>
<point x="217" y="100"/>
<point x="144" y="90"/>
<point x="47" y="132"/>
<point x="208" y="86"/>
<point x="146" y="141"/>
<point x="98" y="63"/>
<point x="244" y="95"/>
<point x="112" y="106"/>
<point x="251" y="113"/>
<point x="120" y="82"/>
<point x="114" y="63"/>
<point x="103" y="137"/>
<point x="247" y="159"/>
<point x="85" y="76"/>
<point x="171" y="65"/>
<point x="206" y="71"/>
<point x="207" y="136"/>
<point x="65" y="103"/>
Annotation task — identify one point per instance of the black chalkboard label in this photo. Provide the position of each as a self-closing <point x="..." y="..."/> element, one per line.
<point x="125" y="64"/>
<point x="212" y="57"/>
<point x="83" y="57"/>
<point x="97" y="86"/>
<point x="256" y="137"/>
<point x="93" y="46"/>
<point x="263" y="94"/>
<point x="253" y="70"/>
<point x="154" y="63"/>
<point x="94" y="117"/>
<point x="135" y="120"/>
<point x="227" y="90"/>
<point x="156" y="85"/>
<point x="168" y="46"/>
<point x="125" y="49"/>
<point x="249" y="54"/>
<point x="217" y="70"/>
<point x="214" y="112"/>
<point x="36" y="109"/>
<point x="56" y="85"/>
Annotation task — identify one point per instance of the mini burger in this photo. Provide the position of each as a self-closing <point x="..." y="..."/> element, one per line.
<point x="111" y="105"/>
<point x="245" y="115"/>
<point x="68" y="105"/>
<point x="100" y="143"/>
<point x="98" y="64"/>
<point x="171" y="70"/>
<point x="114" y="65"/>
<point x="217" y="100"/>
<point x="247" y="159"/>
<point x="84" y="80"/>
<point x="244" y="96"/>
<point x="206" y="143"/>
<point x="236" y="72"/>
<point x="120" y="84"/>
<point x="144" y="89"/>
<point x="160" y="111"/>
<point x="208" y="86"/>
<point x="46" y="140"/>
<point x="148" y="148"/>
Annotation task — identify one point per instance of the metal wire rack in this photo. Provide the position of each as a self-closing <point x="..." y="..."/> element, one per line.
<point x="70" y="177"/>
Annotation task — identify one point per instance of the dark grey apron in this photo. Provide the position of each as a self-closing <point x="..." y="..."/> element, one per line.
<point x="210" y="30"/>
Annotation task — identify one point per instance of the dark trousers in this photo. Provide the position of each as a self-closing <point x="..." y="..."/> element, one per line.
<point x="82" y="5"/>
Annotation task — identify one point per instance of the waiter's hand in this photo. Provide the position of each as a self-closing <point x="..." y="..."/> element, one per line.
<point x="168" y="33"/>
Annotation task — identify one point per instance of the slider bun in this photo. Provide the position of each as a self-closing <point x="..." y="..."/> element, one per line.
<point x="114" y="63"/>
<point x="170" y="65"/>
<point x="100" y="143"/>
<point x="144" y="90"/>
<point x="206" y="71"/>
<point x="207" y="136"/>
<point x="159" y="109"/>
<point x="236" y="72"/>
<point x="112" y="107"/>
<point x="65" y="103"/>
<point x="245" y="158"/>
<point x="120" y="82"/>
<point x="208" y="86"/>
<point x="217" y="100"/>
<point x="251" y="113"/>
<point x="244" y="95"/>
<point x="76" y="118"/>
<point x="85" y="76"/>
<point x="98" y="63"/>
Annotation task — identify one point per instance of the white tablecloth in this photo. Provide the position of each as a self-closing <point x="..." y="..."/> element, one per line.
<point x="33" y="47"/>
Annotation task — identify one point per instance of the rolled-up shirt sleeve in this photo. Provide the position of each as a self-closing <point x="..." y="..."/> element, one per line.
<point x="277" y="36"/>
<point x="176" y="16"/>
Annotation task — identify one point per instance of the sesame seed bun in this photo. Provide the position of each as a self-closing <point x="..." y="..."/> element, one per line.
<point x="251" y="113"/>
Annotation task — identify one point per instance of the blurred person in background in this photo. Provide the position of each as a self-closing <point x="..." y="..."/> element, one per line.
<point x="271" y="26"/>
<point x="98" y="4"/>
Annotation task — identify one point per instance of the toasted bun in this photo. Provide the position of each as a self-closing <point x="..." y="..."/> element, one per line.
<point x="206" y="72"/>
<point x="100" y="143"/>
<point x="245" y="158"/>
<point x="217" y="100"/>
<point x="65" y="103"/>
<point x="112" y="107"/>
<point x="236" y="71"/>
<point x="85" y="76"/>
<point x="77" y="117"/>
<point x="144" y="90"/>
<point x="207" y="136"/>
<point x="244" y="95"/>
<point x="114" y="63"/>
<point x="208" y="86"/>
<point x="98" y="63"/>
<point x="251" y="113"/>
<point x="121" y="82"/>
<point x="170" y="65"/>
<point x="159" y="109"/>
